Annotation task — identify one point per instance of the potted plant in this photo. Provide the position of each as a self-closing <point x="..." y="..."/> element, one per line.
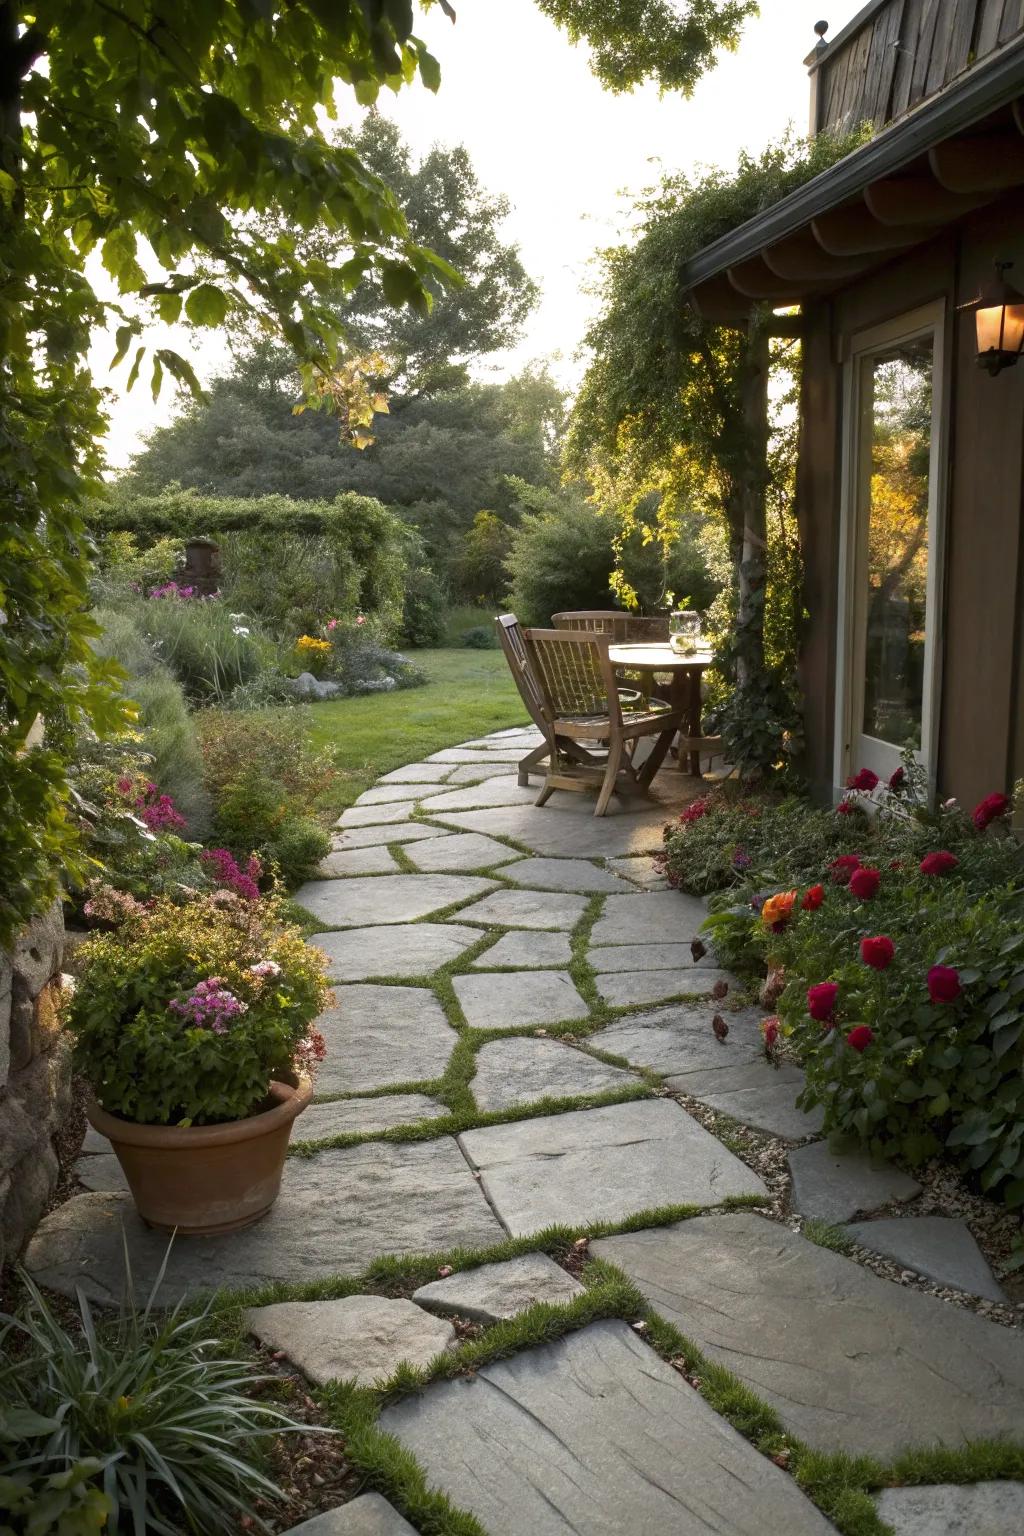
<point x="193" y="1026"/>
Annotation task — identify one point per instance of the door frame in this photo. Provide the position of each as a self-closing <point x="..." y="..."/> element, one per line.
<point x="927" y="319"/>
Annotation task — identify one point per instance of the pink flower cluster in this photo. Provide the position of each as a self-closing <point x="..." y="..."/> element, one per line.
<point x="109" y="905"/>
<point x="209" y="1006"/>
<point x="310" y="1052"/>
<point x="223" y="867"/>
<point x="158" y="811"/>
<point x="172" y="589"/>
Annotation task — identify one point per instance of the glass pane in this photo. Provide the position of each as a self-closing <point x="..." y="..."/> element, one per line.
<point x="897" y="417"/>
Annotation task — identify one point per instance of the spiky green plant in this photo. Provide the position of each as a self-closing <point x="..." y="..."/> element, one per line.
<point x="169" y="1428"/>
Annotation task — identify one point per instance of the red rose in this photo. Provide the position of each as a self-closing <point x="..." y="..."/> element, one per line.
<point x="770" y="1031"/>
<point x="898" y="779"/>
<point x="860" y="1037"/>
<point x="821" y="1001"/>
<point x="813" y="898"/>
<point x="864" y="883"/>
<point x="865" y="779"/>
<point x="842" y="868"/>
<point x="943" y="984"/>
<point x="845" y="808"/>
<point x="989" y="809"/>
<point x="938" y="863"/>
<point x="877" y="952"/>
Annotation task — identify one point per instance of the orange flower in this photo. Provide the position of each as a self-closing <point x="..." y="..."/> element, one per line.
<point x="778" y="909"/>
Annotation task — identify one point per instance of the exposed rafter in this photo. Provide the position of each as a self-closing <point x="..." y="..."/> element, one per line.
<point x="985" y="162"/>
<point x="854" y="231"/>
<point x="911" y="200"/>
<point x="802" y="259"/>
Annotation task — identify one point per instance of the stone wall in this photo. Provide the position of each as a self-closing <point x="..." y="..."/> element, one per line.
<point x="35" y="1077"/>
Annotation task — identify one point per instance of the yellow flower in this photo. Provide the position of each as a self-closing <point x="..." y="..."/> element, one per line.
<point x="312" y="645"/>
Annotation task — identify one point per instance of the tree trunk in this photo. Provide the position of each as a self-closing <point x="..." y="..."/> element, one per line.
<point x="750" y="512"/>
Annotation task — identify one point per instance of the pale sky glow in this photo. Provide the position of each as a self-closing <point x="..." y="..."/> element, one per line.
<point x="540" y="129"/>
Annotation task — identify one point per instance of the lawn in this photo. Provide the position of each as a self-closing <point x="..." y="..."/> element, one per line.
<point x="469" y="693"/>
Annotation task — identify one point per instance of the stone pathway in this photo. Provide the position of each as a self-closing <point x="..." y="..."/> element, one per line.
<point x="516" y="998"/>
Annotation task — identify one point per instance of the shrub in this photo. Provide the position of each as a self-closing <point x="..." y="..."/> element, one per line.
<point x="136" y="1425"/>
<point x="183" y="1014"/>
<point x="122" y="564"/>
<point x="209" y="648"/>
<point x="480" y="638"/>
<point x="423" y="612"/>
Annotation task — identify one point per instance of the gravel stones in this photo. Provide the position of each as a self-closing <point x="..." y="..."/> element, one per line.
<point x="360" y="902"/>
<point x="354" y="1338"/>
<point x="526" y="909"/>
<point x="850" y="1362"/>
<point x="369" y="1515"/>
<point x="346" y="1117"/>
<point x="835" y="1186"/>
<point x="336" y="1212"/>
<point x="502" y="1000"/>
<point x="496" y="1291"/>
<point x="591" y="1435"/>
<point x="655" y="917"/>
<point x="937" y="1247"/>
<point x="377" y="1036"/>
<point x="602" y="1165"/>
<point x="525" y="949"/>
<point x="951" y="1509"/>
<point x="521" y="1071"/>
<point x="400" y="950"/>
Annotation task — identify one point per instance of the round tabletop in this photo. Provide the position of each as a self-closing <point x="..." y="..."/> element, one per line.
<point x="659" y="655"/>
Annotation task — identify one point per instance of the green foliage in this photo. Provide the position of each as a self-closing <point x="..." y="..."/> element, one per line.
<point x="638" y="40"/>
<point x="122" y="563"/>
<point x="207" y="648"/>
<point x="423" y="612"/>
<point x="139" y="1424"/>
<point x="478" y="569"/>
<point x="150" y="1053"/>
<point x="265" y="780"/>
<point x="168" y="734"/>
<point x="563" y="556"/>
<point x="480" y="638"/>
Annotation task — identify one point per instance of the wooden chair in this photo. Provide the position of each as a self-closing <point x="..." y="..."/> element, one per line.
<point x="625" y="628"/>
<point x="580" y="703"/>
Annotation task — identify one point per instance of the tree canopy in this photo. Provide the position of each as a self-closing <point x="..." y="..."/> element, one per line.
<point x="637" y="40"/>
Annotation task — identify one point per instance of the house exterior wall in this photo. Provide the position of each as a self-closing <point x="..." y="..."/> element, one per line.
<point x="981" y="732"/>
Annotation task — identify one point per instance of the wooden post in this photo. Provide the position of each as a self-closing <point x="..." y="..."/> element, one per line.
<point x="750" y="506"/>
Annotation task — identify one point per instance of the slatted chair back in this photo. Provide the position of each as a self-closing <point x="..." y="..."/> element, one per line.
<point x="575" y="674"/>
<point x="510" y="634"/>
<point x="621" y="627"/>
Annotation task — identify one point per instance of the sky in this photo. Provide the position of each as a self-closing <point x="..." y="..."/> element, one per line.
<point x="566" y="153"/>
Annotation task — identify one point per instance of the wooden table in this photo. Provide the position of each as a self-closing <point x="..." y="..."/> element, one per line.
<point x="686" y="672"/>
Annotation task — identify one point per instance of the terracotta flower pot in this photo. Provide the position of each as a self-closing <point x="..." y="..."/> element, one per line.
<point x="205" y="1179"/>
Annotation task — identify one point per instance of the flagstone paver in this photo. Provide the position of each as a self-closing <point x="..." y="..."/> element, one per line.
<point x="526" y="909"/>
<point x="559" y="831"/>
<point x="680" y="1040"/>
<point x="602" y="1165"/>
<point x="475" y="773"/>
<point x="533" y="950"/>
<point x="521" y="1070"/>
<point x="495" y="1291"/>
<point x="468" y="797"/>
<point x="375" y="860"/>
<point x="641" y="871"/>
<point x="343" y="1117"/>
<point x="400" y="832"/>
<point x="567" y="875"/>
<point x="836" y="1186"/>
<point x="849" y="1361"/>
<point x="368" y="1515"/>
<point x="100" y="1172"/>
<point x="648" y="957"/>
<point x="936" y="1246"/>
<point x="337" y="1211"/>
<point x="379" y="1035"/>
<point x="591" y="1436"/>
<point x="402" y="949"/>
<point x="388" y="794"/>
<point x="506" y="1000"/>
<point x="657" y="917"/>
<point x="353" y="1338"/>
<point x="624" y="989"/>
<point x="416" y="773"/>
<point x="362" y="902"/>
<point x="950" y="1509"/>
<point x="759" y="1094"/>
<point x="468" y="850"/>
<point x="455" y="755"/>
<point x="376" y="815"/>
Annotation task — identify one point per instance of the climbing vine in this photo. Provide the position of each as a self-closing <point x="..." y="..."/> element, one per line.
<point x="665" y="408"/>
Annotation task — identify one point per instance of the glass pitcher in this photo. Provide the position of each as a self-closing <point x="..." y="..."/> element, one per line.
<point x="684" y="631"/>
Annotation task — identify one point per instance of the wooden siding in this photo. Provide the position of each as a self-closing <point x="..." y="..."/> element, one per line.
<point x="897" y="53"/>
<point x="981" y="722"/>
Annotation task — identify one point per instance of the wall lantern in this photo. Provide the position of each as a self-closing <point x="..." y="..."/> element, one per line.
<point x="999" y="318"/>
